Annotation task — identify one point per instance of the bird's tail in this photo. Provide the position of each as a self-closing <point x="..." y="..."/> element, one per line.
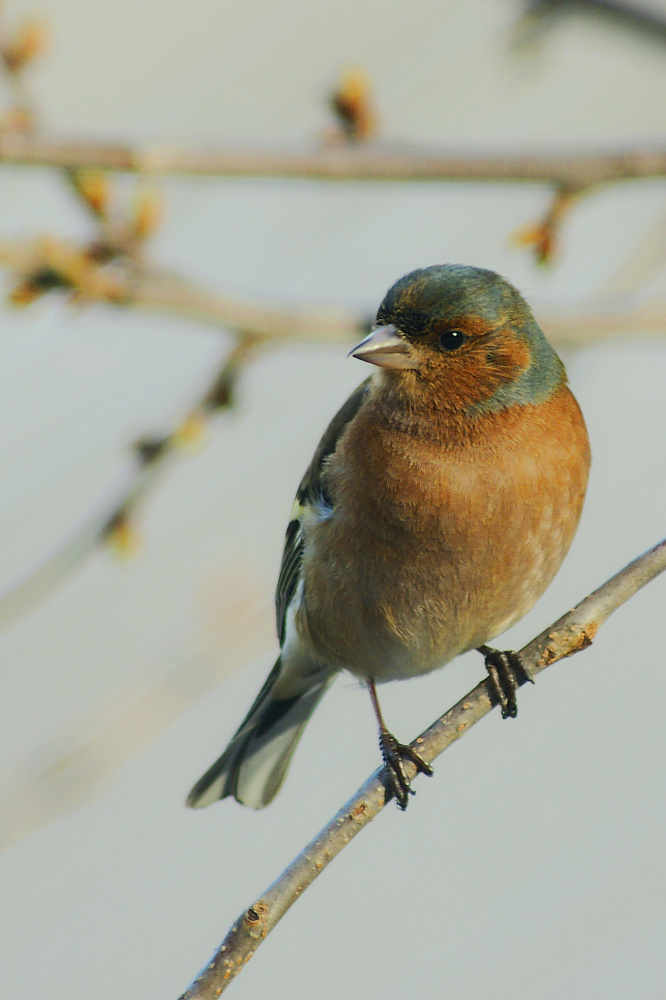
<point x="255" y="763"/>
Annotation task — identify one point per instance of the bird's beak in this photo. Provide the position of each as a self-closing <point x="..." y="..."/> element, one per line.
<point x="386" y="348"/>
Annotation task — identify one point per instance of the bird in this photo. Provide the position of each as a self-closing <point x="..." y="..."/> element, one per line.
<point x="438" y="506"/>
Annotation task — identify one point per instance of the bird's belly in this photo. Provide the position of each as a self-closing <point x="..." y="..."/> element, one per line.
<point x="409" y="597"/>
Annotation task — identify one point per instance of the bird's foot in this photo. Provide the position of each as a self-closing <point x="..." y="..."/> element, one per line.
<point x="394" y="755"/>
<point x="507" y="671"/>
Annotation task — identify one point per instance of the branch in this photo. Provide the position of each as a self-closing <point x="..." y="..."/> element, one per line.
<point x="163" y="291"/>
<point x="96" y="747"/>
<point x="108" y="520"/>
<point x="565" y="327"/>
<point x="649" y="23"/>
<point x="370" y="161"/>
<point x="642" y="264"/>
<point x="48" y="264"/>
<point x="570" y="634"/>
<point x="166" y="292"/>
<point x="104" y="522"/>
<point x="592" y="322"/>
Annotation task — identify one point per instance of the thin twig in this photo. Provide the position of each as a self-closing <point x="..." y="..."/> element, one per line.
<point x="96" y="747"/>
<point x="107" y="521"/>
<point x="51" y="264"/>
<point x="18" y="50"/>
<point x="643" y="263"/>
<point x="639" y="19"/>
<point x="369" y="161"/>
<point x="570" y="634"/>
<point x="166" y="292"/>
<point x="71" y="553"/>
<point x="159" y="292"/>
<point x="591" y="322"/>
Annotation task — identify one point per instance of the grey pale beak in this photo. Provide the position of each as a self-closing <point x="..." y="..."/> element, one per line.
<point x="386" y="348"/>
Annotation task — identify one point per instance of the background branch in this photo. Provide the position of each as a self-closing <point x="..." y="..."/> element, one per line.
<point x="639" y="19"/>
<point x="109" y="520"/>
<point x="370" y="161"/>
<point x="570" y="634"/>
<point x="50" y="264"/>
<point x="69" y="775"/>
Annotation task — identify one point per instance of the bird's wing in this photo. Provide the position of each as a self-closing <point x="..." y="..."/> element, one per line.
<point x="309" y="492"/>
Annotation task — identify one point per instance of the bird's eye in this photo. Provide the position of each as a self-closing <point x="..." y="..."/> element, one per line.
<point x="451" y="340"/>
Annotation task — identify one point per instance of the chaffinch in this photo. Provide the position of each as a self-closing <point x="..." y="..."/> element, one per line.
<point x="437" y="508"/>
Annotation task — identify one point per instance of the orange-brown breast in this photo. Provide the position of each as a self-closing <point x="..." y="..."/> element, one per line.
<point x="436" y="546"/>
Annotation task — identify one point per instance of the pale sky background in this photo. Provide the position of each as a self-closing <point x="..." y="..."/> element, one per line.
<point x="532" y="866"/>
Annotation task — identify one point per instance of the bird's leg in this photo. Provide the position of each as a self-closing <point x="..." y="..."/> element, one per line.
<point x="507" y="671"/>
<point x="393" y="755"/>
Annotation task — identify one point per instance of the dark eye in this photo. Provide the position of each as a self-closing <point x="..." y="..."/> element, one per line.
<point x="451" y="340"/>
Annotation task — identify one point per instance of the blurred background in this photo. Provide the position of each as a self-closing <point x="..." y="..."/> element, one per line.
<point x="532" y="866"/>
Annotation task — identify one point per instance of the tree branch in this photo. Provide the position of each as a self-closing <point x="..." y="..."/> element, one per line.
<point x="570" y="634"/>
<point x="166" y="292"/>
<point x="592" y="322"/>
<point x="108" y="520"/>
<point x="368" y="161"/>
<point x="70" y="774"/>
<point x="640" y="19"/>
<point x="160" y="292"/>
<point x="48" y="264"/>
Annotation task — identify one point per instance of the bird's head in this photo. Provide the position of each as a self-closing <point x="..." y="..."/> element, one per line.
<point x="465" y="334"/>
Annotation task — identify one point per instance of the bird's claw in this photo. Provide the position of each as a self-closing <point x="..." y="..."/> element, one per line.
<point x="394" y="754"/>
<point x="507" y="672"/>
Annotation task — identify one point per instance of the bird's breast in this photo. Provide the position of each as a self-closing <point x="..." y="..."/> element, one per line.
<point x="432" y="548"/>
